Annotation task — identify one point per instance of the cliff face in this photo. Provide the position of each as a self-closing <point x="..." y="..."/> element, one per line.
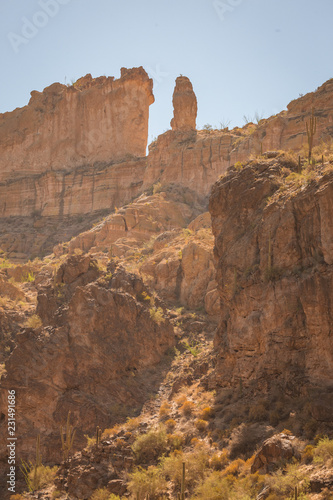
<point x="59" y="154"/>
<point x="94" y="120"/>
<point x="274" y="253"/>
<point x="196" y="160"/>
<point x="80" y="150"/>
<point x="95" y="355"/>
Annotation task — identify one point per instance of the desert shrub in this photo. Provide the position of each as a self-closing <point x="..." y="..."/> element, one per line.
<point x="41" y="477"/>
<point x="310" y="428"/>
<point x="148" y="447"/>
<point x="214" y="487"/>
<point x="156" y="314"/>
<point x="146" y="482"/>
<point x="104" y="494"/>
<point x="219" y="460"/>
<point x="288" y="160"/>
<point x="244" y="440"/>
<point x="91" y="441"/>
<point x="196" y="465"/>
<point x="100" y="494"/>
<point x="234" y="468"/>
<point x="251" y="484"/>
<point x="283" y="482"/>
<point x="187" y="408"/>
<point x="33" y="322"/>
<point x="323" y="452"/>
<point x="132" y="423"/>
<point x="170" y="424"/>
<point x="157" y="188"/>
<point x="164" y="409"/>
<point x="207" y="413"/>
<point x="201" y="425"/>
<point x="180" y="400"/>
<point x="111" y="432"/>
<point x="258" y="412"/>
<point x="175" y="441"/>
<point x="307" y="454"/>
<point x="238" y="166"/>
<point x="28" y="277"/>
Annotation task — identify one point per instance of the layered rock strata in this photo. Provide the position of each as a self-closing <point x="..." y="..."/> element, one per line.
<point x="74" y="150"/>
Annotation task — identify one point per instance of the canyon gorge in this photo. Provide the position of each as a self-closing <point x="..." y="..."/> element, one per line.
<point x="132" y="284"/>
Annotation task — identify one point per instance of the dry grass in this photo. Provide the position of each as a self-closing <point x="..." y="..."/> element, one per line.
<point x="33" y="322"/>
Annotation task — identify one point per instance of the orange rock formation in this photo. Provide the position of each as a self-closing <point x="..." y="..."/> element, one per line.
<point x="184" y="105"/>
<point x="58" y="154"/>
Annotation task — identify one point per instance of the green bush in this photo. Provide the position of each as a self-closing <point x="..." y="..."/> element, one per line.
<point x="216" y="487"/>
<point x="104" y="494"/>
<point x="33" y="322"/>
<point x="196" y="464"/>
<point x="156" y="314"/>
<point x="213" y="488"/>
<point x="150" y="446"/>
<point x="323" y="452"/>
<point x="146" y="482"/>
<point x="283" y="483"/>
<point x="41" y="477"/>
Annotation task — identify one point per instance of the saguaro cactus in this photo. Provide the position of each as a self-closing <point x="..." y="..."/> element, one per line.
<point x="311" y="128"/>
<point x="98" y="435"/>
<point x="67" y="438"/>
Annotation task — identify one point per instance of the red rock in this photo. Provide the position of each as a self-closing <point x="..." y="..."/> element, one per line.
<point x="276" y="449"/>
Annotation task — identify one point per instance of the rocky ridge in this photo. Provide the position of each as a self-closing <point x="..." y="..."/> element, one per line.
<point x="69" y="182"/>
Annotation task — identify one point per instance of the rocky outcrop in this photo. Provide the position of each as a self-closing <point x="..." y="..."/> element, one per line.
<point x="181" y="267"/>
<point x="277" y="449"/>
<point x="74" y="150"/>
<point x="197" y="160"/>
<point x="72" y="192"/>
<point x="92" y="121"/>
<point x="141" y="220"/>
<point x="274" y="254"/>
<point x="184" y="106"/>
<point x="93" y="356"/>
<point x="79" y="150"/>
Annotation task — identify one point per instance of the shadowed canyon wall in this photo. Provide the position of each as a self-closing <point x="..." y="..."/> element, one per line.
<point x="274" y="254"/>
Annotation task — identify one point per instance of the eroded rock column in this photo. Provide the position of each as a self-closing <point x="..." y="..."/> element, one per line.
<point x="184" y="105"/>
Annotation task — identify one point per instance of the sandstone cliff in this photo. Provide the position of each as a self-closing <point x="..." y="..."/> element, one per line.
<point x="91" y="121"/>
<point x="196" y="160"/>
<point x="80" y="150"/>
<point x="59" y="154"/>
<point x="274" y="252"/>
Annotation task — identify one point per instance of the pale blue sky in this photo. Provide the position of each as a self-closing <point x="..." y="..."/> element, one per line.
<point x="242" y="56"/>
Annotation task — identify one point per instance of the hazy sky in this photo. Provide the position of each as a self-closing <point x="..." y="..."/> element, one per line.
<point x="242" y="56"/>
